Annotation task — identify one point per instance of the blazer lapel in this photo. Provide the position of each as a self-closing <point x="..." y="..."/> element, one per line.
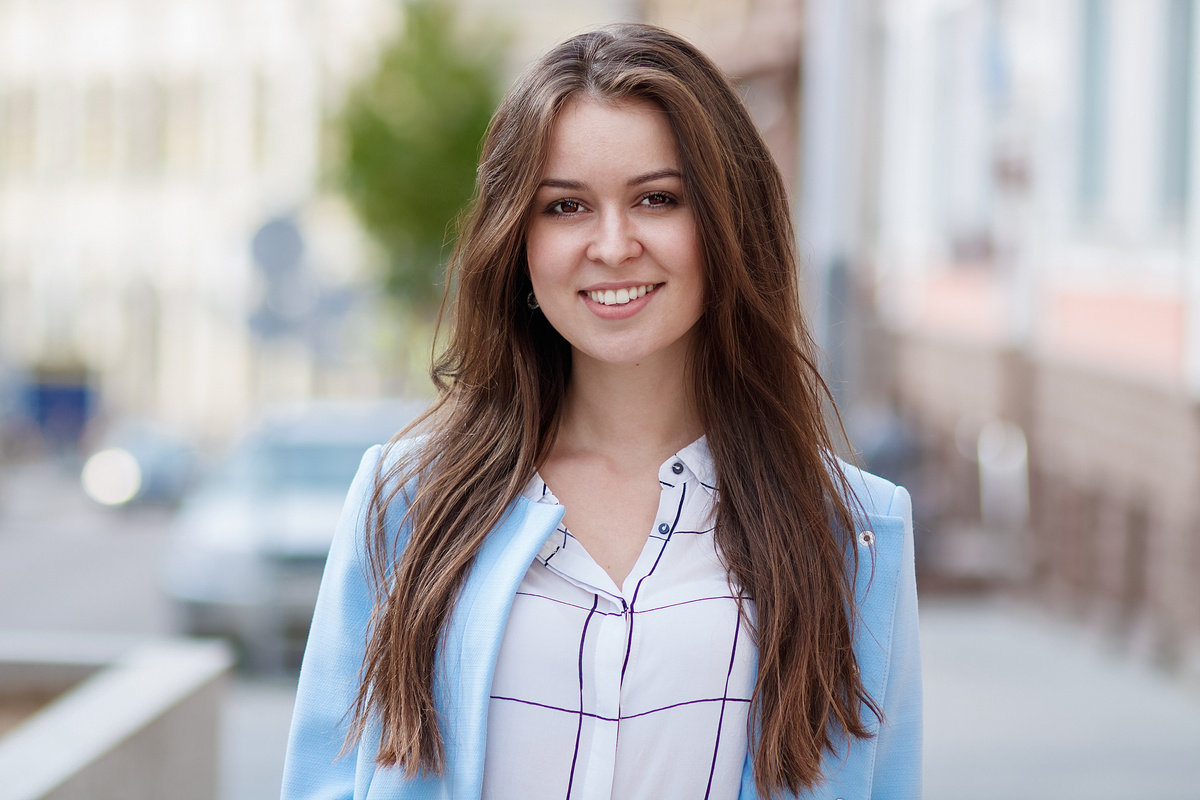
<point x="473" y="636"/>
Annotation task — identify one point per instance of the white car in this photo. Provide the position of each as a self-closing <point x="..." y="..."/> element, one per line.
<point x="248" y="546"/>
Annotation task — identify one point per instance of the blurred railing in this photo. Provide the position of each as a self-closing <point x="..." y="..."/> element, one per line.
<point x="109" y="717"/>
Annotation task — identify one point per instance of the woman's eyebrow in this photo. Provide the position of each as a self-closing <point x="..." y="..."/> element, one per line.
<point x="580" y="186"/>
<point x="656" y="175"/>
<point x="559" y="183"/>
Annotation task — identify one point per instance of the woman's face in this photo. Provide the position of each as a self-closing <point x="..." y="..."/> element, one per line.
<point x="611" y="240"/>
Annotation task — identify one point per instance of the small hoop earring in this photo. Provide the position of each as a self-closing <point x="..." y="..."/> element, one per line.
<point x="531" y="301"/>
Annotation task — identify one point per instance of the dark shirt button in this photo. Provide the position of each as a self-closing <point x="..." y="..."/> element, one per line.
<point x="663" y="527"/>
<point x="677" y="468"/>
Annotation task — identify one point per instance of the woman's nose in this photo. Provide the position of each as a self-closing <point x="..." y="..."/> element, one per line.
<point x="615" y="240"/>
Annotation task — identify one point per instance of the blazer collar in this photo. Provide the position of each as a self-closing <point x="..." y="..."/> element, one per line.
<point x="474" y="633"/>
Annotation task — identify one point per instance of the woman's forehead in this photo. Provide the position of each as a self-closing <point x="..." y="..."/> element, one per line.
<point x="607" y="136"/>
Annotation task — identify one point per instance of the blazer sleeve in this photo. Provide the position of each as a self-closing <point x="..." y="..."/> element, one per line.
<point x="898" y="749"/>
<point x="315" y="767"/>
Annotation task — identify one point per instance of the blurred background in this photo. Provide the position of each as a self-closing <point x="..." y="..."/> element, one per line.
<point x="222" y="228"/>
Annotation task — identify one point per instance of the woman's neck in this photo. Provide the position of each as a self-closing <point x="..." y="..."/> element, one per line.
<point x="629" y="414"/>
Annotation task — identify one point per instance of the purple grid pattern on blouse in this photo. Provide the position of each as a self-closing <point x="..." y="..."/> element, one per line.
<point x="600" y="693"/>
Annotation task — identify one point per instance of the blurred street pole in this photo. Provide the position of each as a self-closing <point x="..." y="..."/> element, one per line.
<point x="837" y="173"/>
<point x="1191" y="270"/>
<point x="823" y="224"/>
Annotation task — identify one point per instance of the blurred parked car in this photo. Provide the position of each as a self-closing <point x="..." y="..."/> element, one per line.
<point x="139" y="461"/>
<point x="248" y="546"/>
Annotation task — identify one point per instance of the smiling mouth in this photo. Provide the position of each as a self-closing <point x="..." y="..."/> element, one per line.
<point x="619" y="297"/>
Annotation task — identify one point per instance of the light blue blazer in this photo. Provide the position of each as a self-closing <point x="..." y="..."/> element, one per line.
<point x="886" y="643"/>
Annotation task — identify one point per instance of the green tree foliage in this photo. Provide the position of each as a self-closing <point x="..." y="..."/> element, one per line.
<point x="411" y="134"/>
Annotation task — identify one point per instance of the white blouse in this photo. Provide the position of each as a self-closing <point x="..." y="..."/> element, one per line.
<point x="639" y="692"/>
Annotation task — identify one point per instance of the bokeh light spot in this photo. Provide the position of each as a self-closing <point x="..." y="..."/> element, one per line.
<point x="112" y="477"/>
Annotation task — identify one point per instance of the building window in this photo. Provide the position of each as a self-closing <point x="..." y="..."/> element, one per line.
<point x="18" y="113"/>
<point x="146" y="128"/>
<point x="1177" y="118"/>
<point x="1093" y="111"/>
<point x="964" y="133"/>
<point x="262" y="119"/>
<point x="185" y="135"/>
<point x="99" y="130"/>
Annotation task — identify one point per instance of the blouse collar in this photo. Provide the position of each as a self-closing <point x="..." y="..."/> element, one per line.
<point x="694" y="460"/>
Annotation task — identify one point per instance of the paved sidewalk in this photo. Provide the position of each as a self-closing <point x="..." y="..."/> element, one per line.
<point x="1022" y="706"/>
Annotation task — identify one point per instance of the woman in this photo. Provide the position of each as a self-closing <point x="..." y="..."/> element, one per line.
<point x="619" y="561"/>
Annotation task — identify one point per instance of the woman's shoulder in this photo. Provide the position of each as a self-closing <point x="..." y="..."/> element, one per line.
<point x="874" y="495"/>
<point x="882" y="538"/>
<point x="391" y="453"/>
<point x="376" y="488"/>
<point x="391" y="461"/>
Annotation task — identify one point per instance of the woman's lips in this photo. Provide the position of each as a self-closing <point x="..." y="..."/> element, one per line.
<point x="621" y="296"/>
<point x="615" y="304"/>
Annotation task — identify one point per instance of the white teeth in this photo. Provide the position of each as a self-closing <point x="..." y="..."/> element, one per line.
<point x="621" y="296"/>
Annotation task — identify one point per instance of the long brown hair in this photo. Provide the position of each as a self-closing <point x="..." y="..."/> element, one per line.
<point x="783" y="524"/>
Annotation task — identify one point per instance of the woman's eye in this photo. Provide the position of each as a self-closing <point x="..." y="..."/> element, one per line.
<point x="566" y="207"/>
<point x="657" y="199"/>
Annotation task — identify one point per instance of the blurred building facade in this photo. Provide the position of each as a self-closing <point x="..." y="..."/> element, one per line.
<point x="142" y="145"/>
<point x="1010" y="188"/>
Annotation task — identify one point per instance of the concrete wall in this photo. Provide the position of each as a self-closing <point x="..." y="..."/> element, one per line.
<point x="141" y="725"/>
